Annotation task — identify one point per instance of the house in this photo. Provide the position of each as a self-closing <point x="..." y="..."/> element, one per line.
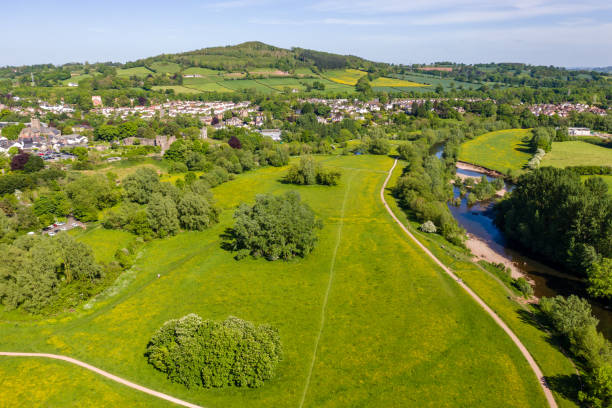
<point x="36" y="129"/>
<point x="578" y="131"/>
<point x="72" y="84"/>
<point x="275" y="134"/>
<point x="235" y="121"/>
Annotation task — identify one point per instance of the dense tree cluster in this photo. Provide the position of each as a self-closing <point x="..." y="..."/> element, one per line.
<point x="156" y="209"/>
<point x="34" y="269"/>
<point x="206" y="353"/>
<point x="275" y="227"/>
<point x="308" y="172"/>
<point x="557" y="216"/>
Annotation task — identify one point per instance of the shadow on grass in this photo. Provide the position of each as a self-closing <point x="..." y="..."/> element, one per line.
<point x="228" y="240"/>
<point x="563" y="384"/>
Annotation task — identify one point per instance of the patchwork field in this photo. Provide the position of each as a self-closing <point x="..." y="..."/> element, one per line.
<point x="202" y="71"/>
<point x="577" y="153"/>
<point x="435" y="81"/>
<point x="393" y="82"/>
<point x="397" y="333"/>
<point x="503" y="150"/>
<point x="345" y="76"/>
<point x="165" y="67"/>
<point x="177" y="89"/>
<point x="136" y="71"/>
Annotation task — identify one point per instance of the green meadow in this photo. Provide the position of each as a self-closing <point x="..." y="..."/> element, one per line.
<point x="397" y="331"/>
<point x="136" y="71"/>
<point x="577" y="153"/>
<point x="503" y="150"/>
<point x="165" y="67"/>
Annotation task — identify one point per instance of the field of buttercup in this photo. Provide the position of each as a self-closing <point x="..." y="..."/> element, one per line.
<point x="396" y="333"/>
<point x="503" y="150"/>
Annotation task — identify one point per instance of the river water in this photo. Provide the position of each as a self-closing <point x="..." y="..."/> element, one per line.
<point x="478" y="221"/>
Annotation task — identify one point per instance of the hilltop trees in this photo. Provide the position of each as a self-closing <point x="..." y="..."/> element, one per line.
<point x="207" y="353"/>
<point x="276" y="227"/>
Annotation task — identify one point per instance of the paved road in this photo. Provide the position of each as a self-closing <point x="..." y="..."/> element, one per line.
<point x="534" y="366"/>
<point x="105" y="374"/>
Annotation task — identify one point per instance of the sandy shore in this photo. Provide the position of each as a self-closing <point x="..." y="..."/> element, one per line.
<point x="481" y="250"/>
<point x="484" y="170"/>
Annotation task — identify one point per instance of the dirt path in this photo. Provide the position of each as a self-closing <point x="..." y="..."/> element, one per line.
<point x="105" y="374"/>
<point x="534" y="366"/>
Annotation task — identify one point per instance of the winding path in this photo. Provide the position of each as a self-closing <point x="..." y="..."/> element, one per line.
<point x="105" y="374"/>
<point x="534" y="366"/>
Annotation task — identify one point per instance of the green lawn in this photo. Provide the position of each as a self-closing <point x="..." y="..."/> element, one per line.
<point x="502" y="150"/>
<point x="178" y="89"/>
<point x="577" y="153"/>
<point x="104" y="242"/>
<point x="398" y="331"/>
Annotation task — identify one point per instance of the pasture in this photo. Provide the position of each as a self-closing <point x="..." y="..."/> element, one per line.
<point x="178" y="89"/>
<point x="104" y="242"/>
<point x="394" y="82"/>
<point x="503" y="150"/>
<point x="136" y="71"/>
<point x="396" y="333"/>
<point x="202" y="71"/>
<point x="345" y="76"/>
<point x="577" y="153"/>
<point x="165" y="67"/>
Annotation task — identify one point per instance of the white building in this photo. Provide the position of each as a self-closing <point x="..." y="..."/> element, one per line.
<point x="578" y="131"/>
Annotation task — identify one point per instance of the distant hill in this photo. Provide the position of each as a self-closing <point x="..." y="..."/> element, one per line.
<point x="255" y="54"/>
<point x="603" y="70"/>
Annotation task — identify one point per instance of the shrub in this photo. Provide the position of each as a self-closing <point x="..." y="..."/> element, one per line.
<point x="428" y="227"/>
<point x="524" y="287"/>
<point x="197" y="352"/>
<point x="276" y="227"/>
<point x="309" y="172"/>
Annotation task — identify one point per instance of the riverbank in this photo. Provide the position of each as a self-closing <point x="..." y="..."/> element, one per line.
<point x="482" y="251"/>
<point x="479" y="169"/>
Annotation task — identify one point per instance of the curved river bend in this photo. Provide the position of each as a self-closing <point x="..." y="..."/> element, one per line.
<point x="478" y="221"/>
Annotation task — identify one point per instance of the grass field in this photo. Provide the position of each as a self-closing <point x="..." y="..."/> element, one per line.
<point x="397" y="333"/>
<point x="104" y="242"/>
<point x="202" y="71"/>
<point x="165" y="67"/>
<point x="76" y="79"/>
<point x="393" y="82"/>
<point x="241" y="84"/>
<point x="502" y="151"/>
<point x="136" y="71"/>
<point x="577" y="153"/>
<point x="177" y="89"/>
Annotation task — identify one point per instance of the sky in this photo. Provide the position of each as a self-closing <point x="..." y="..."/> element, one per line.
<point x="574" y="33"/>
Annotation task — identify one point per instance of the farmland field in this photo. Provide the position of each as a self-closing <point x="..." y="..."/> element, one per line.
<point x="393" y="82"/>
<point x="202" y="71"/>
<point x="165" y="67"/>
<point x="241" y="84"/>
<point x="577" y="153"/>
<point x="75" y="79"/>
<point x="397" y="333"/>
<point x="502" y="150"/>
<point x="136" y="71"/>
<point x="177" y="89"/>
<point x="434" y="81"/>
<point x="345" y="76"/>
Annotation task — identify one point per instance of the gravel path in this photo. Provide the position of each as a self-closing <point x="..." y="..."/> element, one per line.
<point x="534" y="366"/>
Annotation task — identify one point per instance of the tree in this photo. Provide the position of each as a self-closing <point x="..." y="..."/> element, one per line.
<point x="162" y="215"/>
<point x="234" y="142"/>
<point x="599" y="387"/>
<point x="34" y="163"/>
<point x="140" y="186"/>
<point x="276" y="227"/>
<point x="11" y="132"/>
<point x="19" y="161"/>
<point x="600" y="279"/>
<point x="363" y="85"/>
<point x="206" y="353"/>
<point x="570" y="316"/>
<point x="106" y="132"/>
<point x="196" y="212"/>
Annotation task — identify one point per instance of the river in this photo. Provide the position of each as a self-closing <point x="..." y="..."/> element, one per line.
<point x="478" y="221"/>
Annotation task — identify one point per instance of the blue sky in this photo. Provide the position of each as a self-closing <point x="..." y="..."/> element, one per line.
<point x="543" y="32"/>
